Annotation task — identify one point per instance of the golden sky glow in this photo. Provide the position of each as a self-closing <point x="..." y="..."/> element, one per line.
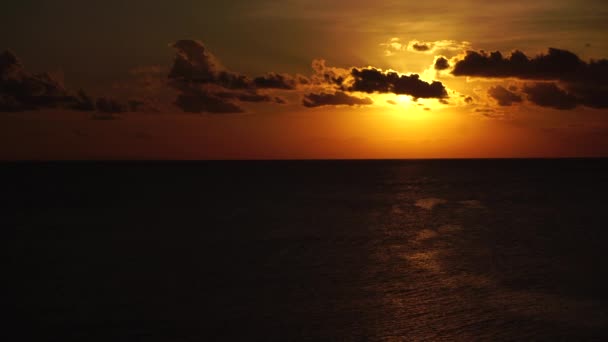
<point x="306" y="79"/>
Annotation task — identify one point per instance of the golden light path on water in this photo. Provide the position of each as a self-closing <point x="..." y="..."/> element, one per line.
<point x="428" y="290"/>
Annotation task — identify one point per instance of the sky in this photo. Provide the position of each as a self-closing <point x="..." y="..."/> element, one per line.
<point x="303" y="79"/>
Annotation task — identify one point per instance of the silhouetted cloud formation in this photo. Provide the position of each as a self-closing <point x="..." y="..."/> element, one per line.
<point x="198" y="73"/>
<point x="21" y="90"/>
<point x="338" y="98"/>
<point x="442" y="63"/>
<point x="276" y="81"/>
<point x="582" y="83"/>
<point x="550" y="95"/>
<point x="503" y="96"/>
<point x="557" y="64"/>
<point x="206" y="86"/>
<point x="193" y="63"/>
<point x="371" y="80"/>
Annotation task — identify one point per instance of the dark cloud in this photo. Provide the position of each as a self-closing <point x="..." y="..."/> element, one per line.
<point x="204" y="85"/>
<point x="557" y="64"/>
<point x="193" y="63"/>
<point x="9" y="64"/>
<point x="276" y="81"/>
<point x="590" y="95"/>
<point x="338" y="98"/>
<point x="21" y="90"/>
<point x="421" y="46"/>
<point x="371" y="80"/>
<point x="441" y="63"/>
<point x="580" y="82"/>
<point x="503" y="96"/>
<point x="550" y="95"/>
<point x="197" y="72"/>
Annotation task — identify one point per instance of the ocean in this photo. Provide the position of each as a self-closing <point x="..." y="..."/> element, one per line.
<point x="390" y="250"/>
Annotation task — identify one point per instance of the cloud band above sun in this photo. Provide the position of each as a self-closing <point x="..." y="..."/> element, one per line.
<point x="558" y="79"/>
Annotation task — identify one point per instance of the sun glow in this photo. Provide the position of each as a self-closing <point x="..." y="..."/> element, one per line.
<point x="404" y="99"/>
<point x="406" y="106"/>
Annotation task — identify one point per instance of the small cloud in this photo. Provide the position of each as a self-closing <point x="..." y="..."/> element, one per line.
<point x="503" y="96"/>
<point x="441" y="63"/>
<point x="439" y="46"/>
<point x="393" y="46"/>
<point x="336" y="99"/>
<point x="422" y="47"/>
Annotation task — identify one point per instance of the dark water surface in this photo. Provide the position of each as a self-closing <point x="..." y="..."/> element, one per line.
<point x="307" y="250"/>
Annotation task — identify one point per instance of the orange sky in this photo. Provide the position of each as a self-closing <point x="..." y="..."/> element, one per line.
<point x="307" y="79"/>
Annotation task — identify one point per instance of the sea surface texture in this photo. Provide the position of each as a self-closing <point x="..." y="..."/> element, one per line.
<point x="454" y="250"/>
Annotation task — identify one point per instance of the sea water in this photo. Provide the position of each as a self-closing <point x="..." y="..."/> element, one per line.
<point x="307" y="250"/>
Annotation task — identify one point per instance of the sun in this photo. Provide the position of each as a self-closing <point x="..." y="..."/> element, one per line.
<point x="405" y="105"/>
<point x="404" y="100"/>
